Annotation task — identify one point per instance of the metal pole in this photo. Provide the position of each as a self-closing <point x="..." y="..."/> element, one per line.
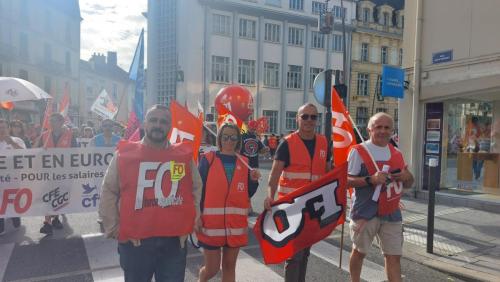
<point x="328" y="108"/>
<point x="431" y="206"/>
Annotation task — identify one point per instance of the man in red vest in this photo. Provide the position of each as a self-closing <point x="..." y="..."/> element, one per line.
<point x="150" y="200"/>
<point x="301" y="158"/>
<point x="376" y="198"/>
<point x="58" y="136"/>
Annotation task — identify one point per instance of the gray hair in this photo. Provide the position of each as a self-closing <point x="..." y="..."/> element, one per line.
<point x="377" y="116"/>
<point x="305" y="106"/>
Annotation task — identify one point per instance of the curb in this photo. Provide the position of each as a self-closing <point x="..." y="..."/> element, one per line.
<point x="453" y="270"/>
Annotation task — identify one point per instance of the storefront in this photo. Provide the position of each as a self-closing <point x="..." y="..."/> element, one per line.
<point x="463" y="135"/>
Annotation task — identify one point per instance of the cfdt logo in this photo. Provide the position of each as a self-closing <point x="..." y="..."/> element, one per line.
<point x="90" y="196"/>
<point x="56" y="198"/>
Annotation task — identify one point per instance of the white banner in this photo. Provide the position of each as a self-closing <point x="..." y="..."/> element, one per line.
<point x="36" y="182"/>
<point x="103" y="106"/>
<point x="83" y="142"/>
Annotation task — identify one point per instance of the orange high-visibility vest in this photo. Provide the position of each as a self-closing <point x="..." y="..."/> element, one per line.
<point x="388" y="201"/>
<point x="150" y="205"/>
<point x="302" y="169"/>
<point x="63" y="142"/>
<point x="225" y="206"/>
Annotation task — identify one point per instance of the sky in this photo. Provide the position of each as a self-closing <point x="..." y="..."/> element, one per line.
<point x="112" y="25"/>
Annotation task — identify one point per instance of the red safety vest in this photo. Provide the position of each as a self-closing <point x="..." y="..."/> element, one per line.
<point x="149" y="204"/>
<point x="63" y="142"/>
<point x="390" y="195"/>
<point x="302" y="169"/>
<point x="225" y="205"/>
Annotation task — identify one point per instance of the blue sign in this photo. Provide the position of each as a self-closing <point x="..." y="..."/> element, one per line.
<point x="442" y="57"/>
<point x="392" y="81"/>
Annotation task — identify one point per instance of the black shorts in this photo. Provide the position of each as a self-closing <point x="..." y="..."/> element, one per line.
<point x="210" y="247"/>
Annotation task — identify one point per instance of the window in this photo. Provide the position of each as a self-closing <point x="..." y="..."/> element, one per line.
<point x="23" y="45"/>
<point x="381" y="110"/>
<point x="318" y="7"/>
<point x="295" y="36"/>
<point x="294" y="77"/>
<point x="247" y="28"/>
<point x="312" y="75"/>
<point x="319" y="123"/>
<point x="363" y="84"/>
<point x="383" y="55"/>
<point x="361" y="116"/>
<point x="317" y="40"/>
<point x="291" y="121"/>
<point x="402" y="21"/>
<point x="364" y="52"/>
<point x="272" y="118"/>
<point x="396" y="118"/>
<point x="378" y="91"/>
<point x="67" y="34"/>
<point x="48" y="22"/>
<point x="115" y="91"/>
<point x="246" y="72"/>
<point x="400" y="56"/>
<point x="296" y="5"/>
<point x="386" y="19"/>
<point x="23" y="74"/>
<point x="221" y="24"/>
<point x="366" y="15"/>
<point x="272" y="32"/>
<point x="271" y="74"/>
<point x="338" y="45"/>
<point x="47" y="52"/>
<point x="220" y="69"/>
<point x="67" y="62"/>
<point x="338" y="13"/>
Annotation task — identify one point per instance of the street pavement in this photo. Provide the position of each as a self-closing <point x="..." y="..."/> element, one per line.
<point x="80" y="253"/>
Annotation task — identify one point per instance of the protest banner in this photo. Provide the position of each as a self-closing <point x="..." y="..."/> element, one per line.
<point x="37" y="182"/>
<point x="83" y="142"/>
<point x="103" y="106"/>
<point x="302" y="217"/>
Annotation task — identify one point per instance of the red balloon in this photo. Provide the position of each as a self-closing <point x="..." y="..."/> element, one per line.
<point x="237" y="99"/>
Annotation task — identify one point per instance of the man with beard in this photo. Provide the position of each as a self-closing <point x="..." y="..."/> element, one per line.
<point x="150" y="200"/>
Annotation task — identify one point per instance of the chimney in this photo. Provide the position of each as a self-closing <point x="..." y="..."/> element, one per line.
<point x="112" y="58"/>
<point x="98" y="60"/>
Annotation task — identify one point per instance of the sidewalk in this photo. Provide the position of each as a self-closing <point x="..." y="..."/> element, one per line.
<point x="466" y="240"/>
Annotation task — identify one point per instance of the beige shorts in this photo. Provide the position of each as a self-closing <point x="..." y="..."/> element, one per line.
<point x="389" y="235"/>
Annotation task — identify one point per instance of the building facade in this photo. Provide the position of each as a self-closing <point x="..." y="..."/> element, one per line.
<point x="377" y="40"/>
<point x="453" y="104"/>
<point x="98" y="73"/>
<point x="40" y="42"/>
<point x="272" y="47"/>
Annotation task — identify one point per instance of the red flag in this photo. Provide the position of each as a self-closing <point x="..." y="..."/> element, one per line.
<point x="303" y="217"/>
<point x="132" y="125"/>
<point x="136" y="136"/>
<point x="64" y="105"/>
<point x="49" y="109"/>
<point x="342" y="130"/>
<point x="7" y="105"/>
<point x="185" y="127"/>
<point x="226" y="116"/>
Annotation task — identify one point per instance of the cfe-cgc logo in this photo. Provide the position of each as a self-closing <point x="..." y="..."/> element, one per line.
<point x="90" y="196"/>
<point x="56" y="198"/>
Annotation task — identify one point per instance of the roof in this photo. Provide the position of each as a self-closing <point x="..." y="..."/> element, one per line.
<point x="105" y="70"/>
<point x="396" y="4"/>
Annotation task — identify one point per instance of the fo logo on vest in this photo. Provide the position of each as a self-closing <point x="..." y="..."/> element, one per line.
<point x="177" y="172"/>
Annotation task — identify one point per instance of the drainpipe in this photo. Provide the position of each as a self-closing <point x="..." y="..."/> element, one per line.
<point x="417" y="65"/>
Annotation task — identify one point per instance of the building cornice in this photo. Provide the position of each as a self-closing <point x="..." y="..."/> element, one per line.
<point x="269" y="12"/>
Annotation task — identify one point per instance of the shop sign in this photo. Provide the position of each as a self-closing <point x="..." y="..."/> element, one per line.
<point x="392" y="81"/>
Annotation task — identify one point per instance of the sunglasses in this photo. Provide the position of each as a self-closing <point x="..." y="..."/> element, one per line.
<point x="233" y="138"/>
<point x="307" y="117"/>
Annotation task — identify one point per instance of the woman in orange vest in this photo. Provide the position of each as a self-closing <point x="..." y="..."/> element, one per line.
<point x="228" y="184"/>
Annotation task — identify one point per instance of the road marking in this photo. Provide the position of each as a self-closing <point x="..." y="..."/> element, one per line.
<point x="6" y="251"/>
<point x="330" y="253"/>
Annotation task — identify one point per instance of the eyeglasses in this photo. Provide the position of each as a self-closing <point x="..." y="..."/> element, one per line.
<point x="233" y="138"/>
<point x="307" y="116"/>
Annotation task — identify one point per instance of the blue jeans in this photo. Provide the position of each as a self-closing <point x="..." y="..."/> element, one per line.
<point x="159" y="256"/>
<point x="477" y="166"/>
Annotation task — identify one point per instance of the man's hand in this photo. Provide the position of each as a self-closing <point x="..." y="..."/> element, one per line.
<point x="267" y="203"/>
<point x="379" y="177"/>
<point x="401" y="176"/>
<point x="198" y="224"/>
<point x="255" y="175"/>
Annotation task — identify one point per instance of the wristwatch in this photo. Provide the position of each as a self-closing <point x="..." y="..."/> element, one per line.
<point x="368" y="180"/>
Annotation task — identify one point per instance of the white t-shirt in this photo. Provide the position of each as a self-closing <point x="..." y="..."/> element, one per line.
<point x="355" y="161"/>
<point x="6" y="146"/>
